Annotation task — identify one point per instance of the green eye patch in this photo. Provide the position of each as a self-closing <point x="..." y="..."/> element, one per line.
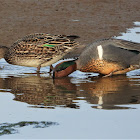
<point x="65" y="65"/>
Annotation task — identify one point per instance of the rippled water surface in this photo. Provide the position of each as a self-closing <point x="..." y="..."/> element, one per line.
<point x="82" y="105"/>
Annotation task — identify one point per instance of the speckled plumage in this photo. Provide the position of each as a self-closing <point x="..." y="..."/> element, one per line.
<point x="40" y="49"/>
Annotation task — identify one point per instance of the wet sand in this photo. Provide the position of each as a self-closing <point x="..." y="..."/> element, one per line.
<point x="90" y="19"/>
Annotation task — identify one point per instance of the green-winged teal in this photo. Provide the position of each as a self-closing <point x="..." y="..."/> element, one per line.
<point x="106" y="56"/>
<point x="38" y="50"/>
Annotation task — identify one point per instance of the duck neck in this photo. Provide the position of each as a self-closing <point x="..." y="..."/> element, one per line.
<point x="3" y="51"/>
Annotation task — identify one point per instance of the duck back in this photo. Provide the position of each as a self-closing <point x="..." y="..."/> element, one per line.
<point x="111" y="50"/>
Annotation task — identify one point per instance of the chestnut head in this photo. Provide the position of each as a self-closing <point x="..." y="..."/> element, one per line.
<point x="64" y="69"/>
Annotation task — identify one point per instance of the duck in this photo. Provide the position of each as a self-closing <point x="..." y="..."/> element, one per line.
<point x="105" y="56"/>
<point x="38" y="49"/>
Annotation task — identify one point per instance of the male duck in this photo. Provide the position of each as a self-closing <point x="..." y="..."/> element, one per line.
<point x="106" y="56"/>
<point x="38" y="50"/>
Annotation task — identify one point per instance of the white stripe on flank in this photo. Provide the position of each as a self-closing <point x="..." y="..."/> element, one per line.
<point x="100" y="52"/>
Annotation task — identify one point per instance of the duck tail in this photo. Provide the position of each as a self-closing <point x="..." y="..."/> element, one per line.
<point x="73" y="37"/>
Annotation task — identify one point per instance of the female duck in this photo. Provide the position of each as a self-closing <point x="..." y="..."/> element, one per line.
<point x="106" y="56"/>
<point x="38" y="50"/>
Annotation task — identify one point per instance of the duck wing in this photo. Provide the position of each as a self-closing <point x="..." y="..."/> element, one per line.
<point x="127" y="44"/>
<point x="43" y="45"/>
<point x="124" y="44"/>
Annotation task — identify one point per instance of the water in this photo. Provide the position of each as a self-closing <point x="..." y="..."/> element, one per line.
<point x="81" y="106"/>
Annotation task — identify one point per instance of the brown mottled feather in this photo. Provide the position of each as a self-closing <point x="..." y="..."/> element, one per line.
<point x="31" y="49"/>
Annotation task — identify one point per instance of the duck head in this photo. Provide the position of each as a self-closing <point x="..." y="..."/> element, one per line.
<point x="64" y="69"/>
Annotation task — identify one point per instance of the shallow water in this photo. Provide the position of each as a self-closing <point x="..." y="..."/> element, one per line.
<point x="82" y="105"/>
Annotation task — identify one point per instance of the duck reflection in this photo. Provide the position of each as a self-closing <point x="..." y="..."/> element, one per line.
<point x="103" y="93"/>
<point x="41" y="92"/>
<point x="112" y="92"/>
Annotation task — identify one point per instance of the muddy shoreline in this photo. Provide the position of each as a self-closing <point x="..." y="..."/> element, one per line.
<point x="90" y="19"/>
